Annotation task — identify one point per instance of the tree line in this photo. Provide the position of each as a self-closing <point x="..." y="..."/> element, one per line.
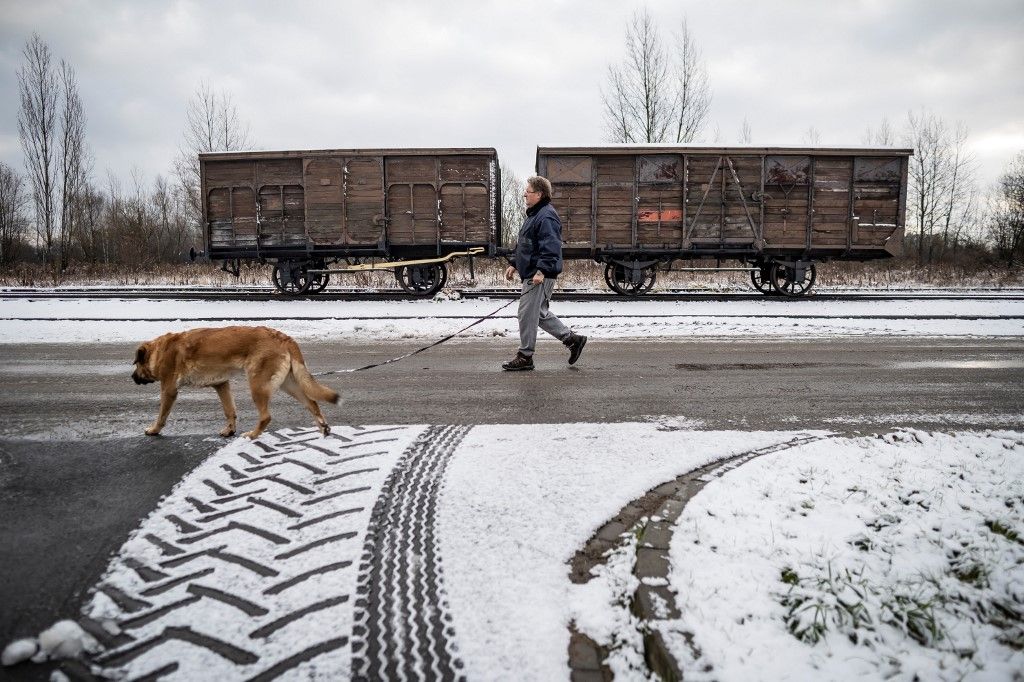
<point x="56" y="212"/>
<point x="59" y="213"/>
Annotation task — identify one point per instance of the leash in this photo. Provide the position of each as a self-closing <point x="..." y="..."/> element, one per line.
<point x="419" y="350"/>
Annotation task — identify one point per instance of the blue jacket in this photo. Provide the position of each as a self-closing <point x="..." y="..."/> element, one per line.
<point x="540" y="242"/>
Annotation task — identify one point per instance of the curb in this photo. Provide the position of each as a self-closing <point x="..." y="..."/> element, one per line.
<point x="653" y="603"/>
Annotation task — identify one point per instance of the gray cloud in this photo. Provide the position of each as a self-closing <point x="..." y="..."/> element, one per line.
<point x="513" y="75"/>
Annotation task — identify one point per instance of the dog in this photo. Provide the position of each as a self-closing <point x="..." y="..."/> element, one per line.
<point x="210" y="356"/>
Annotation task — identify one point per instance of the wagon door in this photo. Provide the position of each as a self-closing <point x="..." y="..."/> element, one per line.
<point x="412" y="200"/>
<point x="830" y="222"/>
<point x="282" y="202"/>
<point x="659" y="198"/>
<point x="572" y="193"/>
<point x="324" y="189"/>
<point x="232" y="217"/>
<point x="364" y="200"/>
<point x="616" y="178"/>
<point x="465" y="199"/>
<point x="786" y="199"/>
<point x="876" y="200"/>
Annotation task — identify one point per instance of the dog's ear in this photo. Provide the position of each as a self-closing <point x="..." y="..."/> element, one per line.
<point x="140" y="355"/>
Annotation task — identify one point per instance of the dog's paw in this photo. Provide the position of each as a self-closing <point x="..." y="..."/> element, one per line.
<point x="325" y="430"/>
<point x="152" y="431"/>
<point x="227" y="432"/>
<point x="251" y="435"/>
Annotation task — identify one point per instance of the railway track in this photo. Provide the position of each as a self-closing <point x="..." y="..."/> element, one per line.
<point x="269" y="294"/>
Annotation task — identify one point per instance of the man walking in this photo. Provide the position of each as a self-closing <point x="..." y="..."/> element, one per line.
<point x="538" y="260"/>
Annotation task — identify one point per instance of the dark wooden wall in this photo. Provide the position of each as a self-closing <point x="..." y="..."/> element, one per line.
<point x="831" y="203"/>
<point x="327" y="199"/>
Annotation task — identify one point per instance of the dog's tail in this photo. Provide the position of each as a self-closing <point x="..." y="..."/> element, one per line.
<point x="310" y="386"/>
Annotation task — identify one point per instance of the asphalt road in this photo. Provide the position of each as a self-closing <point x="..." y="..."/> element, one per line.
<point x="77" y="475"/>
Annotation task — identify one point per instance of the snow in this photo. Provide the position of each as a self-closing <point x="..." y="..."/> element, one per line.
<point x="520" y="501"/>
<point x="65" y="639"/>
<point x="358" y="490"/>
<point x="19" y="650"/>
<point x="131" y="320"/>
<point x="887" y="523"/>
<point x="891" y="517"/>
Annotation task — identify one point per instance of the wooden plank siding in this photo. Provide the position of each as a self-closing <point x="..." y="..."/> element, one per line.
<point x="337" y="200"/>
<point x="828" y="202"/>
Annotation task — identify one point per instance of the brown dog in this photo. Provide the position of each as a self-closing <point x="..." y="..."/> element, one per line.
<point x="208" y="357"/>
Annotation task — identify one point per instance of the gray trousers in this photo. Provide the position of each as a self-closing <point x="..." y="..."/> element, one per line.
<point x="533" y="312"/>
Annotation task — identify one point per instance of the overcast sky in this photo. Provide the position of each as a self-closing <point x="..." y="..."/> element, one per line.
<point x="513" y="75"/>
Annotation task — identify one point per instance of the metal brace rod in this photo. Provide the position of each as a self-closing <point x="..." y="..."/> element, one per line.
<point x="475" y="251"/>
<point x="711" y="270"/>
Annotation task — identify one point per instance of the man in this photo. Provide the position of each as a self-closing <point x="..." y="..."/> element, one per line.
<point x="538" y="260"/>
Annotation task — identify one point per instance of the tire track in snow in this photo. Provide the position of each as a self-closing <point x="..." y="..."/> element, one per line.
<point x="248" y="569"/>
<point x="403" y="628"/>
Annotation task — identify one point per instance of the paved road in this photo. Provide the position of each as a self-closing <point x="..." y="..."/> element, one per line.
<point x="76" y="475"/>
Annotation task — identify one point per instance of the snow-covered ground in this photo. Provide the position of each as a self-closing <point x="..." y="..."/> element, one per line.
<point x="890" y="557"/>
<point x="900" y="555"/>
<point x="131" y="320"/>
<point x="844" y="558"/>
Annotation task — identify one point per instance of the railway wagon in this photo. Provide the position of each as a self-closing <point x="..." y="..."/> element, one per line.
<point x="410" y="210"/>
<point x="776" y="210"/>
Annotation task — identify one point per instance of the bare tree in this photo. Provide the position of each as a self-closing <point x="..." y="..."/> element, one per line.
<point x="746" y="137"/>
<point x="960" y="206"/>
<point x="212" y="124"/>
<point x="74" y="159"/>
<point x="812" y="137"/>
<point x="655" y="95"/>
<point x="13" y="200"/>
<point x="51" y="125"/>
<point x="693" y="94"/>
<point x="37" y="128"/>
<point x="168" y="210"/>
<point x="91" y="233"/>
<point x="942" y="197"/>
<point x="926" y="134"/>
<point x="883" y="136"/>
<point x="1007" y="226"/>
<point x="513" y="207"/>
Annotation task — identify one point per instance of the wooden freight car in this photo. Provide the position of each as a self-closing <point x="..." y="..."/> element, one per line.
<point x="410" y="210"/>
<point x="777" y="210"/>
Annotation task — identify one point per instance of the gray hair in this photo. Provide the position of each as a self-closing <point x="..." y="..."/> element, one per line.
<point x="540" y="184"/>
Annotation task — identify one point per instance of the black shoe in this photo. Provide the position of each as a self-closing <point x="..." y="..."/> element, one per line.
<point x="575" y="344"/>
<point x="519" y="363"/>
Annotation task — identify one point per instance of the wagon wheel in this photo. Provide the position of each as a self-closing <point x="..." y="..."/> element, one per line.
<point x="761" y="276"/>
<point x="618" y="280"/>
<point x="318" y="281"/>
<point x="422" y="280"/>
<point x="784" y="281"/>
<point x="292" y="278"/>
<point x="608" y="278"/>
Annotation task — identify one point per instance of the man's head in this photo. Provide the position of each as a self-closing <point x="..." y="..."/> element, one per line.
<point x="537" y="188"/>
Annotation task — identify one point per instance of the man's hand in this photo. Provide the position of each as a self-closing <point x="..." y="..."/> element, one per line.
<point x="510" y="273"/>
<point x="538" y="277"/>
